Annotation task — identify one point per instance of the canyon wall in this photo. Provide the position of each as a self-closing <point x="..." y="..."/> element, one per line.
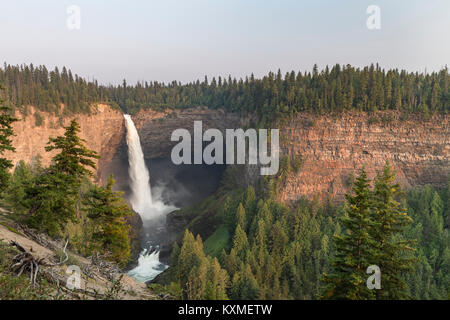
<point x="332" y="149"/>
<point x="103" y="130"/>
<point x="155" y="129"/>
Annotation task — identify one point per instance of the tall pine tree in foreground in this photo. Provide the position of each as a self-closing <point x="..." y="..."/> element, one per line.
<point x="374" y="225"/>
<point x="108" y="211"/>
<point x="74" y="158"/>
<point x="389" y="222"/>
<point x="6" y="131"/>
<point x="52" y="198"/>
<point x="354" y="248"/>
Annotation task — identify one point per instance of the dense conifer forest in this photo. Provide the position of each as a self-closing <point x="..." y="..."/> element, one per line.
<point x="310" y="250"/>
<point x="263" y="249"/>
<point x="328" y="90"/>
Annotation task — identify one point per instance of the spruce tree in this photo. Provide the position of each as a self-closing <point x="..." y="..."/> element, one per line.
<point x="6" y="131"/>
<point x="108" y="211"/>
<point x="74" y="157"/>
<point x="389" y="222"/>
<point x="354" y="247"/>
<point x="52" y="199"/>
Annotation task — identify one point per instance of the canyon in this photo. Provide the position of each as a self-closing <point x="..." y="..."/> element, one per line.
<point x="330" y="148"/>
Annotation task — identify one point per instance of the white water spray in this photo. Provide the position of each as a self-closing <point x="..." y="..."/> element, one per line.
<point x="141" y="200"/>
<point x="148" y="266"/>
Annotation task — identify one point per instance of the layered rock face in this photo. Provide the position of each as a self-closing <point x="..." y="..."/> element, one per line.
<point x="103" y="130"/>
<point x="331" y="149"/>
<point x="155" y="129"/>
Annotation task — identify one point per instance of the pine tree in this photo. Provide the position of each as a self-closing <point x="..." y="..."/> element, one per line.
<point x="6" y="131"/>
<point x="21" y="179"/>
<point x="240" y="217"/>
<point x="389" y="221"/>
<point x="192" y="268"/>
<point x="108" y="211"/>
<point x="354" y="248"/>
<point x="244" y="285"/>
<point x="217" y="282"/>
<point x="240" y="242"/>
<point x="52" y="198"/>
<point x="74" y="157"/>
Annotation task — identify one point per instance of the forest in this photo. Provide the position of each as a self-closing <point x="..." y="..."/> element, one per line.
<point x="263" y="249"/>
<point x="310" y="250"/>
<point x="275" y="95"/>
<point x="61" y="200"/>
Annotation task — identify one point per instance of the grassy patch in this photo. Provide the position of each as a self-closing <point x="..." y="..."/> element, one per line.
<point x="219" y="240"/>
<point x="10" y="228"/>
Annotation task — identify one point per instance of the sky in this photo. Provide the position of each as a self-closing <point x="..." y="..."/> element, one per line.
<point x="185" y="40"/>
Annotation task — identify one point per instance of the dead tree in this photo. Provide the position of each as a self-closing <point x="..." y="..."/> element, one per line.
<point x="25" y="262"/>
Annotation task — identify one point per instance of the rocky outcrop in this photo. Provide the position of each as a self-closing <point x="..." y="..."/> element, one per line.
<point x="331" y="149"/>
<point x="103" y="130"/>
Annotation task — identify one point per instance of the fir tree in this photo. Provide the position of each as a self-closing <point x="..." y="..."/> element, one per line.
<point x="389" y="221"/>
<point x="73" y="158"/>
<point x="52" y="198"/>
<point x="108" y="211"/>
<point x="6" y="131"/>
<point x="354" y="248"/>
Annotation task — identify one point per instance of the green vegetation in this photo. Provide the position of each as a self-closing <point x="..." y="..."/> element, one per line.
<point x="13" y="287"/>
<point x="6" y="132"/>
<point x="51" y="199"/>
<point x="355" y="248"/>
<point x="60" y="200"/>
<point x="374" y="226"/>
<point x="309" y="251"/>
<point x="217" y="241"/>
<point x="275" y="95"/>
<point x="198" y="276"/>
<point x="38" y="120"/>
<point x="107" y="209"/>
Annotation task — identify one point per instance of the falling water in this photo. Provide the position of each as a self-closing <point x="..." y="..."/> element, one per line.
<point x="141" y="195"/>
<point x="150" y="210"/>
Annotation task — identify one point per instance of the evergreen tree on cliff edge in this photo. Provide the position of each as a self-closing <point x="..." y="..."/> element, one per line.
<point x="6" y="131"/>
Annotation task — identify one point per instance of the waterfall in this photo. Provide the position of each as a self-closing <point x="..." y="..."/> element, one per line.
<point x="141" y="195"/>
<point x="151" y="210"/>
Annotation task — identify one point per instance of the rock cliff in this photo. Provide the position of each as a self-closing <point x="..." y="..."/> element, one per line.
<point x="103" y="130"/>
<point x="332" y="148"/>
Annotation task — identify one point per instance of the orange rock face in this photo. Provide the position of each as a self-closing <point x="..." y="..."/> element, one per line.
<point x="332" y="148"/>
<point x="102" y="130"/>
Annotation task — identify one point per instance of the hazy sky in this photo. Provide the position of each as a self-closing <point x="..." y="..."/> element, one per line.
<point x="186" y="39"/>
